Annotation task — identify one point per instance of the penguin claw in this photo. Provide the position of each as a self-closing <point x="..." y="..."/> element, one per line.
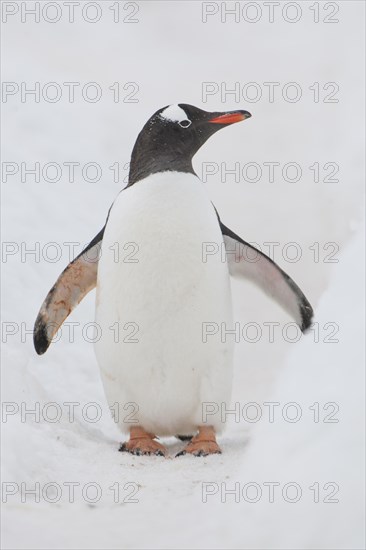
<point x="181" y="453"/>
<point x="199" y="453"/>
<point x="201" y="447"/>
<point x="145" y="448"/>
<point x="206" y="453"/>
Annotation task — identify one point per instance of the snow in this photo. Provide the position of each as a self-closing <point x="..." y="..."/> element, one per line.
<point x="170" y="511"/>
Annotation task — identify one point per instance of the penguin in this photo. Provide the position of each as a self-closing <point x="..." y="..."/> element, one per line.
<point x="163" y="298"/>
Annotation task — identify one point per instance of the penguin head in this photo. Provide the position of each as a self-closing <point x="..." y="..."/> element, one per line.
<point x="187" y="128"/>
<point x="173" y="135"/>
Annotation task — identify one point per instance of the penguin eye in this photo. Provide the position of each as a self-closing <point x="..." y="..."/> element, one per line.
<point x="185" y="123"/>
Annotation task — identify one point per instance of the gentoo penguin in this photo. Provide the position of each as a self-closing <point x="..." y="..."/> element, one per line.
<point x="167" y="284"/>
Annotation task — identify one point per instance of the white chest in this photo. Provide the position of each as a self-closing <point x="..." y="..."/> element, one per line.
<point x="155" y="244"/>
<point x="165" y="289"/>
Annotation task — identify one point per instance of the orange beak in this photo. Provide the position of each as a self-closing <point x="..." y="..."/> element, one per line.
<point x="230" y="117"/>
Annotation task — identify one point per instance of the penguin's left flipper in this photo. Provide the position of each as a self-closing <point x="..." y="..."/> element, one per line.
<point x="265" y="273"/>
<point x="79" y="278"/>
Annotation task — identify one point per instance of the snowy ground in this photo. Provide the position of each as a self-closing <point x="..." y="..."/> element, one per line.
<point x="181" y="502"/>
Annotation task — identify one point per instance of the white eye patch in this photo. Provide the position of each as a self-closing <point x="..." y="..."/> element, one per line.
<point x="174" y="113"/>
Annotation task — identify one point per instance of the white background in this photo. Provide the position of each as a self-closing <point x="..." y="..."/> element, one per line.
<point x="169" y="52"/>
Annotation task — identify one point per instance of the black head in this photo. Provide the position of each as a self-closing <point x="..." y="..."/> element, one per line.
<point x="173" y="135"/>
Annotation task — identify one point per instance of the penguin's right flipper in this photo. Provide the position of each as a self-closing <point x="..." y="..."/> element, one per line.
<point x="77" y="279"/>
<point x="265" y="273"/>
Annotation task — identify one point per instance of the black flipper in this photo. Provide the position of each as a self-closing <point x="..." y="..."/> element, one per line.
<point x="79" y="278"/>
<point x="265" y="273"/>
